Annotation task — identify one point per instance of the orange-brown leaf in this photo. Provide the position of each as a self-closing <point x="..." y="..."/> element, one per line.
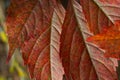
<point x="109" y="39"/>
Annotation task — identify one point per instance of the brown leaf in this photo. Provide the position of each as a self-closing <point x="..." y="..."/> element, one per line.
<point x="81" y="60"/>
<point x="38" y="37"/>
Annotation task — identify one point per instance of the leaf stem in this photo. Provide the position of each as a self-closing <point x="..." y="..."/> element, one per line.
<point x="118" y="70"/>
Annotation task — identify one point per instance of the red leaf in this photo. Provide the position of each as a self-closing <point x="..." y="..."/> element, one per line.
<point x="109" y="40"/>
<point x="81" y="60"/>
<point x="38" y="36"/>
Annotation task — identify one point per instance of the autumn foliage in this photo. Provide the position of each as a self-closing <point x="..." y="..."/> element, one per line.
<point x="80" y="42"/>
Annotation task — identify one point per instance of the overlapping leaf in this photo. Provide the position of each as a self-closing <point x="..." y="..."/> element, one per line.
<point x="109" y="40"/>
<point x="100" y="13"/>
<point x="81" y="60"/>
<point x="35" y="27"/>
<point x="37" y="30"/>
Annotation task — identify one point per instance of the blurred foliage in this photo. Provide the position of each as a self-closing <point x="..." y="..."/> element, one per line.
<point x="3" y="36"/>
<point x="15" y="66"/>
<point x="15" y="70"/>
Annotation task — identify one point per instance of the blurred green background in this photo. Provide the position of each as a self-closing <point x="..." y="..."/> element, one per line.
<point x="15" y="69"/>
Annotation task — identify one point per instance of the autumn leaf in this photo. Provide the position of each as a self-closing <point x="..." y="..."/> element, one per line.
<point x="109" y="40"/>
<point x="52" y="46"/>
<point x="35" y="27"/>
<point x="81" y="60"/>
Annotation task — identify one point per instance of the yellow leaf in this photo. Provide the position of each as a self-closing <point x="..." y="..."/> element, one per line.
<point x="3" y="37"/>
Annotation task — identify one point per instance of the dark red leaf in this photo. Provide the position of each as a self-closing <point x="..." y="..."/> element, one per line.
<point x="16" y="19"/>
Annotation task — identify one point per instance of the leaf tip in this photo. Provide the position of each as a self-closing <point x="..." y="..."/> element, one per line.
<point x="8" y="58"/>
